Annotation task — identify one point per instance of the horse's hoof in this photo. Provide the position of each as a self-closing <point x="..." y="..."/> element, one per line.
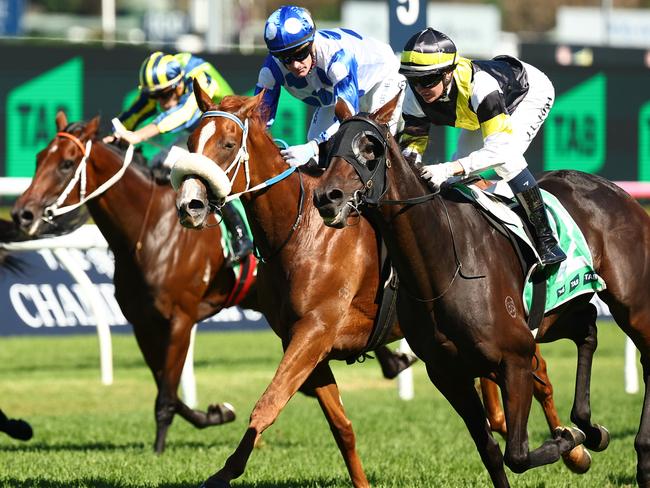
<point x="221" y="413"/>
<point x="578" y="460"/>
<point x="18" y="429"/>
<point x="603" y="440"/>
<point x="572" y="435"/>
<point x="215" y="483"/>
<point x="397" y="363"/>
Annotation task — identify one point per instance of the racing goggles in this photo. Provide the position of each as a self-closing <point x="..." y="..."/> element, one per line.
<point x="428" y="81"/>
<point x="165" y="94"/>
<point x="299" y="55"/>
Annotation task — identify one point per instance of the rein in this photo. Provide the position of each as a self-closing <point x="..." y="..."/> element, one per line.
<point x="243" y="157"/>
<point x="80" y="176"/>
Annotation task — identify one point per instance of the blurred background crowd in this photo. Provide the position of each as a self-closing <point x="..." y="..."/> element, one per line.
<point x="237" y="25"/>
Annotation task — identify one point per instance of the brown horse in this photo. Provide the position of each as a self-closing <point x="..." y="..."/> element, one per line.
<point x="460" y="327"/>
<point x="15" y="428"/>
<point x="166" y="277"/>
<point x="319" y="285"/>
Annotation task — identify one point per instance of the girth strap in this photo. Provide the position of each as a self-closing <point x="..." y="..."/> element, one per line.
<point x="386" y="315"/>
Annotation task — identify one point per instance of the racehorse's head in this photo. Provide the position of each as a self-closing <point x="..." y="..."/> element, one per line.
<point x="218" y="161"/>
<point x="358" y="159"/>
<point x="55" y="167"/>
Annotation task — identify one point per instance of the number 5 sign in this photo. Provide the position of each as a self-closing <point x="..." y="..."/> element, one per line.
<point x="405" y="19"/>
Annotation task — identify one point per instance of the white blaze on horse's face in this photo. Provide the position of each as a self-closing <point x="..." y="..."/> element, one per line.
<point x="196" y="164"/>
<point x="207" y="131"/>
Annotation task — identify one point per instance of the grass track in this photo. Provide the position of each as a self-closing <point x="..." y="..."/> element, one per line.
<point x="89" y="435"/>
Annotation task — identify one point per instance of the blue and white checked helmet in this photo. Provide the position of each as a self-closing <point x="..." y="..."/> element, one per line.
<point x="287" y="28"/>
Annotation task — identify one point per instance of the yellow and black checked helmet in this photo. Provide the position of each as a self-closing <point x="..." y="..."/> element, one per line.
<point x="159" y="71"/>
<point x="429" y="52"/>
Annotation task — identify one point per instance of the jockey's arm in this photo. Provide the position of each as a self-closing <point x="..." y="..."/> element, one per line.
<point x="270" y="78"/>
<point x="414" y="138"/>
<point x="489" y="104"/>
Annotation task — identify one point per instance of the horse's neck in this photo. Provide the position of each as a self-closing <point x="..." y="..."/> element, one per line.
<point x="418" y="236"/>
<point x="273" y="211"/>
<point x="119" y="211"/>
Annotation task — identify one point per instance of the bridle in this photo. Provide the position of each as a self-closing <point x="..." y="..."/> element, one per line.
<point x="242" y="158"/>
<point x="80" y="176"/>
<point x="375" y="183"/>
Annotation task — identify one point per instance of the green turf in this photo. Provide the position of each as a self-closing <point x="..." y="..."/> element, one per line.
<point x="89" y="435"/>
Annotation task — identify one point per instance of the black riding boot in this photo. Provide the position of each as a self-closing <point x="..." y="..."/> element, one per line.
<point x="547" y="247"/>
<point x="241" y="244"/>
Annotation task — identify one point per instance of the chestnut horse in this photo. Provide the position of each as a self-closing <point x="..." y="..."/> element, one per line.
<point x="319" y="286"/>
<point x="460" y="326"/>
<point x="166" y="277"/>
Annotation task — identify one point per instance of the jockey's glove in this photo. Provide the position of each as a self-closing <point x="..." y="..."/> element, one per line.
<point x="437" y="174"/>
<point x="298" y="155"/>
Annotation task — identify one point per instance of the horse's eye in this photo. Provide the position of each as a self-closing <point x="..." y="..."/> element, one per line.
<point x="66" y="165"/>
<point x="228" y="145"/>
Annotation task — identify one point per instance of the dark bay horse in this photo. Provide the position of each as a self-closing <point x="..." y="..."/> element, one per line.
<point x="470" y="322"/>
<point x="166" y="277"/>
<point x="319" y="286"/>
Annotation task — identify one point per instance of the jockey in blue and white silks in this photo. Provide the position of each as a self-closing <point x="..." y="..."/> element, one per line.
<point x="320" y="66"/>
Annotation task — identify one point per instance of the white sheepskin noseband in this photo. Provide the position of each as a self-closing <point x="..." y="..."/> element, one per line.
<point x="193" y="164"/>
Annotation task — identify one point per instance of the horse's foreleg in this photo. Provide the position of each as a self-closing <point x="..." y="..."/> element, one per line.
<point x="578" y="459"/>
<point x="463" y="397"/>
<point x="322" y="383"/>
<point x="642" y="439"/>
<point x="517" y="389"/>
<point x="153" y="340"/>
<point x="586" y="340"/>
<point x="305" y="350"/>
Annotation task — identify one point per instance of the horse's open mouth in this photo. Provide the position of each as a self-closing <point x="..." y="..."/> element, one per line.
<point x="339" y="220"/>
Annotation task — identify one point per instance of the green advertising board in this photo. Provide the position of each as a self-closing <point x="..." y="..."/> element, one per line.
<point x="575" y="131"/>
<point x="31" y="109"/>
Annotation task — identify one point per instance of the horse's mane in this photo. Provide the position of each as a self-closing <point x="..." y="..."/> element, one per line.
<point x="256" y="118"/>
<point x="139" y="161"/>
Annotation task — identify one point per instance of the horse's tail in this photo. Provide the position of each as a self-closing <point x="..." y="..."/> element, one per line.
<point x="11" y="263"/>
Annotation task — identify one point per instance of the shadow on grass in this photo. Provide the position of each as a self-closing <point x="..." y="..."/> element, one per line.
<point x="101" y="483"/>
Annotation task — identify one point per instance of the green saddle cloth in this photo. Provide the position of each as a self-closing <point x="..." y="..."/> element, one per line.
<point x="567" y="280"/>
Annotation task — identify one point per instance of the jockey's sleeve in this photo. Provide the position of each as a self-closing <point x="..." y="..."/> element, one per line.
<point x="489" y="104"/>
<point x="140" y="110"/>
<point x="270" y="78"/>
<point x="414" y="138"/>
<point x="342" y="73"/>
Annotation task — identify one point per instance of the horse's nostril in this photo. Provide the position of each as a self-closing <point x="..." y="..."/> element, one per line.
<point x="334" y="195"/>
<point x="26" y="217"/>
<point x="195" y="204"/>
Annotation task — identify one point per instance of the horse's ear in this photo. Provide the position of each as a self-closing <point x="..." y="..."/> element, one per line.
<point x="250" y="105"/>
<point x="203" y="99"/>
<point x="61" y="120"/>
<point x="91" y="127"/>
<point x="384" y="114"/>
<point x="341" y="110"/>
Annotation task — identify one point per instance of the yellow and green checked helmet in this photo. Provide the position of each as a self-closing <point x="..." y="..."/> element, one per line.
<point x="429" y="52"/>
<point x="159" y="71"/>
